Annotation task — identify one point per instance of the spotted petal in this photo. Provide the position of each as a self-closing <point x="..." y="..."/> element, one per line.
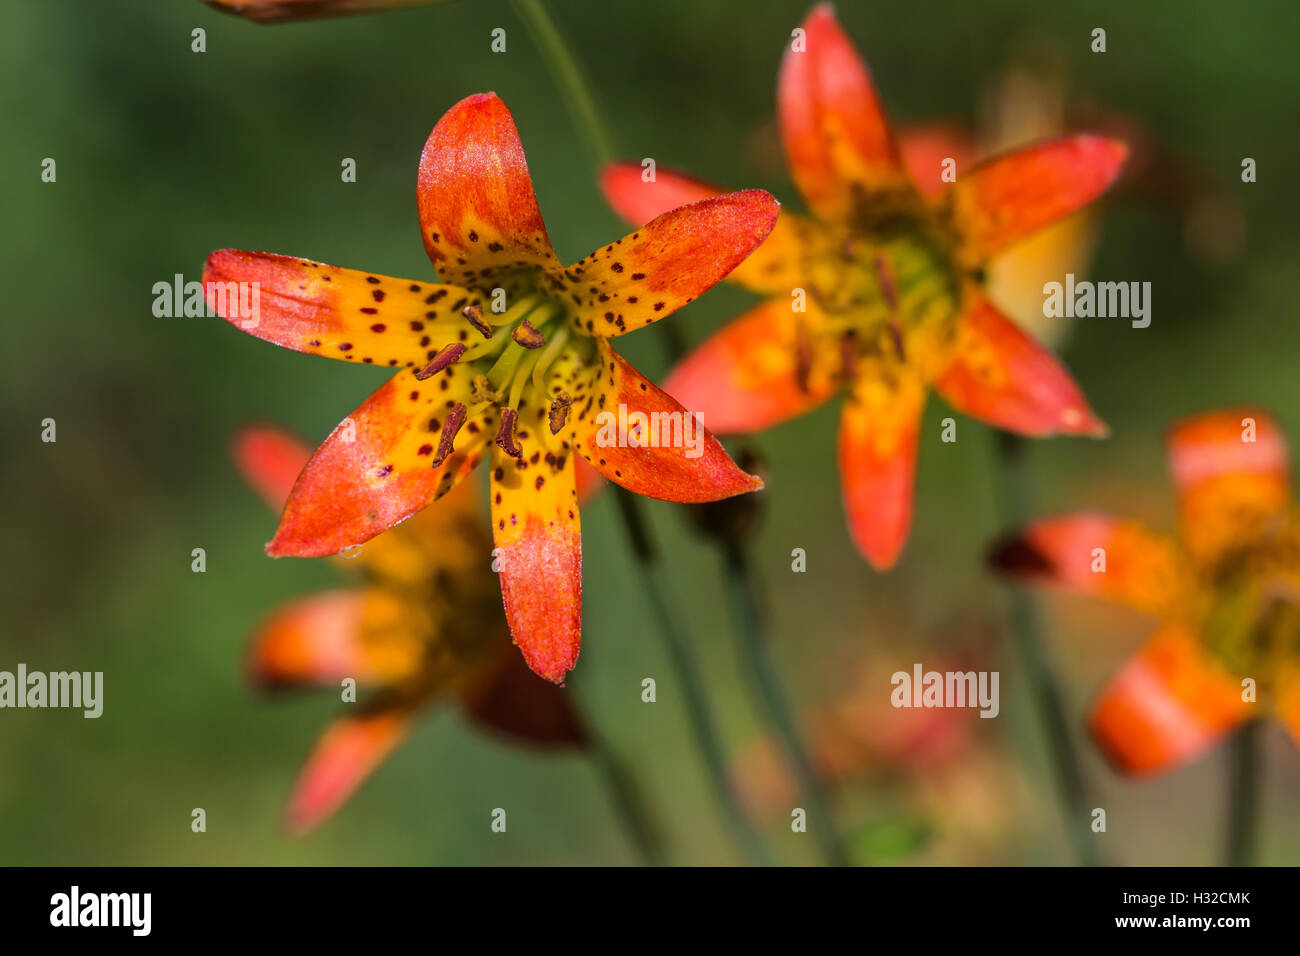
<point x="538" y="538"/>
<point x="1168" y="704"/>
<point x="879" y="426"/>
<point x="640" y="437"/>
<point x="1232" y="472"/>
<point x="345" y="314"/>
<point x="1002" y="376"/>
<point x="776" y="266"/>
<point x="1100" y="556"/>
<point x="757" y="371"/>
<point x="478" y="212"/>
<point x="668" y="262"/>
<point x="1012" y="196"/>
<point x="374" y="470"/>
<point x="347" y="753"/>
<point x="836" y="137"/>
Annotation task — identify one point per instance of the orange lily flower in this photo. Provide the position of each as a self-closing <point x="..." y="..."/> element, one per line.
<point x="879" y="292"/>
<point x="513" y="345"/>
<point x="1227" y="595"/>
<point x="425" y="624"/>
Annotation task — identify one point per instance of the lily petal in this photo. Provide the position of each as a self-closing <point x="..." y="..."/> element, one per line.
<point x="667" y="263"/>
<point x="747" y="376"/>
<point x="512" y="701"/>
<point x="347" y="753"/>
<point x="1010" y="197"/>
<point x="1002" y="376"/>
<point x="1100" y="556"/>
<point x="365" y="635"/>
<point x="680" y="461"/>
<point x="374" y="470"/>
<point x="924" y="149"/>
<point x="538" y="536"/>
<point x="1168" y="704"/>
<point x="270" y="460"/>
<point x="344" y="314"/>
<point x="777" y="265"/>
<point x="879" y="426"/>
<point x="1232" y="472"/>
<point x="836" y="137"/>
<point x="478" y="212"/>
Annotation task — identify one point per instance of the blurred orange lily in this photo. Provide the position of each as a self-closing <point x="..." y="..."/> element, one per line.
<point x="879" y="292"/>
<point x="513" y="345"/>
<point x="1227" y="595"/>
<point x="425" y="624"/>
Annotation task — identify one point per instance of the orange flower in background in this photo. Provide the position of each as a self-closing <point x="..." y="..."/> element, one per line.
<point x="879" y="292"/>
<point x="1227" y="594"/>
<point x="511" y="356"/>
<point x="424" y="624"/>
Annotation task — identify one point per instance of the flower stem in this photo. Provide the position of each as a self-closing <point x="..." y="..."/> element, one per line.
<point x="752" y="646"/>
<point x="1027" y="630"/>
<point x="642" y="828"/>
<point x="697" y="710"/>
<point x="1243" y="797"/>
<point x="570" y="77"/>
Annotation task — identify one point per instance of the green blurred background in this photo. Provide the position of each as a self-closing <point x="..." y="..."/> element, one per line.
<point x="164" y="154"/>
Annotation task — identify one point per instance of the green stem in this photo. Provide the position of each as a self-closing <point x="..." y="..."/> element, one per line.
<point x="673" y="633"/>
<point x="1243" y="797"/>
<point x="1013" y="479"/>
<point x="570" y="77"/>
<point x="642" y="829"/>
<point x="753" y="647"/>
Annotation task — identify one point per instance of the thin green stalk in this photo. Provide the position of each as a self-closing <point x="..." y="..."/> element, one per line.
<point x="569" y="75"/>
<point x="1026" y="627"/>
<point x="629" y="801"/>
<point x="676" y="643"/>
<point x="753" y="647"/>
<point x="1243" y="797"/>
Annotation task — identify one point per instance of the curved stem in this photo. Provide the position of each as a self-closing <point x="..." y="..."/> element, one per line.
<point x="675" y="641"/>
<point x="570" y="77"/>
<point x="752" y="646"/>
<point x="1012" y="478"/>
<point x="1243" y="795"/>
<point x="629" y="802"/>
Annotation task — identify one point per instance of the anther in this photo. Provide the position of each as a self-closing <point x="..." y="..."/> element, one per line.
<point x="481" y="390"/>
<point x="446" y="356"/>
<point x="527" y="336"/>
<point x="803" y="357"/>
<point x="455" y="419"/>
<point x="559" y="413"/>
<point x="475" y="316"/>
<point x="505" y="439"/>
<point x="849" y="355"/>
<point x="887" y="286"/>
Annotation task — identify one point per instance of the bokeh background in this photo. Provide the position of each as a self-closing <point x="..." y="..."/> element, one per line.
<point x="164" y="154"/>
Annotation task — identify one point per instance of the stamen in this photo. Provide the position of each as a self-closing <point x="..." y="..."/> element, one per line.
<point x="547" y="357"/>
<point x="559" y="413"/>
<point x="803" y="356"/>
<point x="490" y="347"/>
<point x="447" y="355"/>
<point x="455" y="419"/>
<point x="481" y="390"/>
<point x="505" y="439"/>
<point x="475" y="316"/>
<point x="516" y="311"/>
<point x="849" y="355"/>
<point x="527" y="336"/>
<point x="888" y="287"/>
